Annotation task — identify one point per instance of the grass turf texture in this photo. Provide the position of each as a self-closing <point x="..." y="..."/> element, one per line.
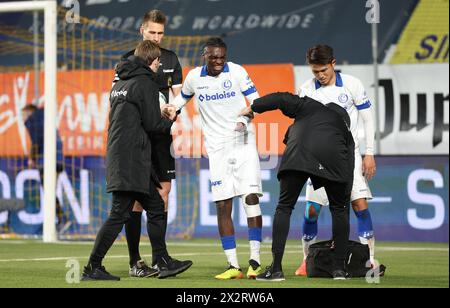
<point x="416" y="265"/>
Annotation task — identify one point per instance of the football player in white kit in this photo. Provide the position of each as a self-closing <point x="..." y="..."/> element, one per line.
<point x="330" y="86"/>
<point x="220" y="89"/>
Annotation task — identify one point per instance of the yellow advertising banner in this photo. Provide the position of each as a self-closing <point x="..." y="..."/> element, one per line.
<point x="425" y="38"/>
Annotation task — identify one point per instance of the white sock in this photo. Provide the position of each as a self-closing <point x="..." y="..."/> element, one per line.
<point x="305" y="246"/>
<point x="371" y="243"/>
<point x="255" y="248"/>
<point x="232" y="257"/>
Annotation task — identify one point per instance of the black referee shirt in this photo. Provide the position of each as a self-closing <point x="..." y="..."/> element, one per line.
<point x="169" y="73"/>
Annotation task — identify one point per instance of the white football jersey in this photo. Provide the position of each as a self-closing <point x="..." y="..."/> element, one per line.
<point x="220" y="99"/>
<point x="348" y="92"/>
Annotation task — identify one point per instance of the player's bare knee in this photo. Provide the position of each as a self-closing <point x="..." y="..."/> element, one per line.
<point x="360" y="205"/>
<point x="312" y="211"/>
<point x="222" y="209"/>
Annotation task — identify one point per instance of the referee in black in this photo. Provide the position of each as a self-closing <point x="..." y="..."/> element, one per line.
<point x="319" y="146"/>
<point x="169" y="78"/>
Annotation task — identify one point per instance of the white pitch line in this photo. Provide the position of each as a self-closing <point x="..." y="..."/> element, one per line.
<point x="126" y="256"/>
<point x="189" y="254"/>
<point x="264" y="245"/>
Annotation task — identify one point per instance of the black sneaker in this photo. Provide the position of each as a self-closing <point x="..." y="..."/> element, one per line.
<point x="98" y="273"/>
<point x="142" y="270"/>
<point x="340" y="275"/>
<point x="270" y="275"/>
<point x="169" y="267"/>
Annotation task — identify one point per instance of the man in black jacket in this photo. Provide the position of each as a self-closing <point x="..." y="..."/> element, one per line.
<point x="169" y="77"/>
<point x="320" y="146"/>
<point x="134" y="116"/>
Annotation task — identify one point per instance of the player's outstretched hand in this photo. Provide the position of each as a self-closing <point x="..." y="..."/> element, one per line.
<point x="168" y="111"/>
<point x="247" y="112"/>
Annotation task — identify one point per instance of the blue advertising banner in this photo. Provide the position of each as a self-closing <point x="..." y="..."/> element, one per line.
<point x="410" y="200"/>
<point x="410" y="203"/>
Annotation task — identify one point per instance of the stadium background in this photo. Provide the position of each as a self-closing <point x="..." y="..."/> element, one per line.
<point x="411" y="186"/>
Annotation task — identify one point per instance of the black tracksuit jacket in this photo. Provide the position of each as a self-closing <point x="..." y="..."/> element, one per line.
<point x="319" y="141"/>
<point x="134" y="117"/>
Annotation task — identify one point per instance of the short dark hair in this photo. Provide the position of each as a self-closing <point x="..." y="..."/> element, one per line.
<point x="148" y="51"/>
<point x="155" y="16"/>
<point x="214" y="42"/>
<point x="30" y="107"/>
<point x="320" y="54"/>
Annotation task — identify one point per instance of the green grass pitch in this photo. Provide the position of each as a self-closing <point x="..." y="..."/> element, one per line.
<point x="415" y="265"/>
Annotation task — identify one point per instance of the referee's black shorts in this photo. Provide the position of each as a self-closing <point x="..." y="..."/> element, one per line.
<point x="162" y="160"/>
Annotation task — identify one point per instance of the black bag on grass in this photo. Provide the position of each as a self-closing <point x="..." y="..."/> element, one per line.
<point x="319" y="262"/>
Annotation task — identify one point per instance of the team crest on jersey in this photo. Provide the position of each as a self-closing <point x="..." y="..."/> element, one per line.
<point x="227" y="84"/>
<point x="343" y="98"/>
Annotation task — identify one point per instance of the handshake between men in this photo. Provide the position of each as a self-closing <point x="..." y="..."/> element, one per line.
<point x="169" y="111"/>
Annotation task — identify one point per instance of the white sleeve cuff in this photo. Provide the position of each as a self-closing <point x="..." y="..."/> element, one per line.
<point x="369" y="129"/>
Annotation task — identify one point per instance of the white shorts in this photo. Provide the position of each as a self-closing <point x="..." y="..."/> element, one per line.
<point x="235" y="171"/>
<point x="360" y="189"/>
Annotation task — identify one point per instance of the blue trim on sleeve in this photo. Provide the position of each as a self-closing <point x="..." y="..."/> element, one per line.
<point x="366" y="105"/>
<point x="250" y="91"/>
<point x="185" y="96"/>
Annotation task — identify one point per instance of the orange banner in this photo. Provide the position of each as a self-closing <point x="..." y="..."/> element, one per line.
<point x="83" y="105"/>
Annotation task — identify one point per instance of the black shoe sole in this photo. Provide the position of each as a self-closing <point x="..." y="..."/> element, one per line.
<point x="167" y="274"/>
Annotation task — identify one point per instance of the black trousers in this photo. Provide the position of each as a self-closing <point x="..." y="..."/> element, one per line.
<point x="291" y="185"/>
<point x="122" y="205"/>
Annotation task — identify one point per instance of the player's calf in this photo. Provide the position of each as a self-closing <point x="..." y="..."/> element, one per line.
<point x="310" y="228"/>
<point x="254" y="219"/>
<point x="365" y="231"/>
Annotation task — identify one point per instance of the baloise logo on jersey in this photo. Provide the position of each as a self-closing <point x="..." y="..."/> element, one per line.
<point x="227" y="86"/>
